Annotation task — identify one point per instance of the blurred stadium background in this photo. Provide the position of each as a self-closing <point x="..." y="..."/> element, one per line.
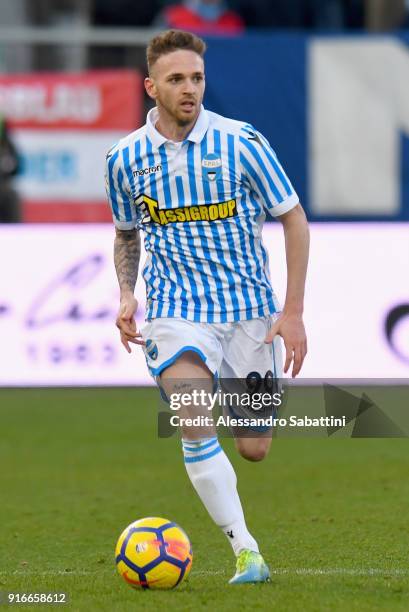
<point x="327" y="82"/>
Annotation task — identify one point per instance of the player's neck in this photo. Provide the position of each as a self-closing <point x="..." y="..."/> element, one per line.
<point x="172" y="130"/>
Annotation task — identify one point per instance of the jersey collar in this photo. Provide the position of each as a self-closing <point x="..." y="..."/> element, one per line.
<point x="196" y="135"/>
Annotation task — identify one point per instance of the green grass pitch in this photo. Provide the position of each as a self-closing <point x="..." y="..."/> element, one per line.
<point x="78" y="465"/>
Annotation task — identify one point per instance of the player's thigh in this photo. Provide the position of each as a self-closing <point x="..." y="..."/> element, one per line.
<point x="190" y="377"/>
<point x="245" y="352"/>
<point x="188" y="366"/>
<point x="247" y="357"/>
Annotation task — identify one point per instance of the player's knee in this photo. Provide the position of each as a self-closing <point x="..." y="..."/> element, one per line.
<point x="254" y="455"/>
<point x="256" y="451"/>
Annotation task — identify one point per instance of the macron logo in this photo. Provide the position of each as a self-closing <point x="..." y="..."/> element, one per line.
<point x="149" y="170"/>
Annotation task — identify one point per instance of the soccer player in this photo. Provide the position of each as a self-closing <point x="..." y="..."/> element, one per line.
<point x="198" y="185"/>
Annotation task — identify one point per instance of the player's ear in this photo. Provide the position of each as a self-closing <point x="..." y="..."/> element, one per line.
<point x="150" y="87"/>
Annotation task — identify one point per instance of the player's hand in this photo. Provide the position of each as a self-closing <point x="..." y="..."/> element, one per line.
<point x="291" y="328"/>
<point x="126" y="324"/>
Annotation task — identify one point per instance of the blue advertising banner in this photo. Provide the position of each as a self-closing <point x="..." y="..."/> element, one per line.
<point x="334" y="108"/>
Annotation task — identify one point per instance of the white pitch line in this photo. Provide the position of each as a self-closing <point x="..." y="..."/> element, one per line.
<point x="339" y="571"/>
<point x="300" y="571"/>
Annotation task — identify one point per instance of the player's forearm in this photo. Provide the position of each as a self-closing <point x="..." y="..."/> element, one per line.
<point x="297" y="241"/>
<point x="127" y="251"/>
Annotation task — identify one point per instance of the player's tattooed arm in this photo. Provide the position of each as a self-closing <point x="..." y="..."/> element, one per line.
<point x="127" y="252"/>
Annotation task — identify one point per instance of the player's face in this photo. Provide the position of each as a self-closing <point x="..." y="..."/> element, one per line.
<point x="177" y="84"/>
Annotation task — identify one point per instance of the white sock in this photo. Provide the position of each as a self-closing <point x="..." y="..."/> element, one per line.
<point x="214" y="479"/>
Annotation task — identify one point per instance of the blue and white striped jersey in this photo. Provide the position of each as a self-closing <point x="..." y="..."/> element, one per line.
<point x="201" y="204"/>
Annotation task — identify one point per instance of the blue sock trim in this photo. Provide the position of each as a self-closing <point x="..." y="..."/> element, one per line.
<point x="212" y="453"/>
<point x="199" y="447"/>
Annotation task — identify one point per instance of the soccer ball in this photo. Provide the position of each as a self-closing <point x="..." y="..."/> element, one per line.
<point x="153" y="553"/>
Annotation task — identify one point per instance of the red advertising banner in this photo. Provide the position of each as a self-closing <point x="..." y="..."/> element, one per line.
<point x="63" y="124"/>
<point x="93" y="100"/>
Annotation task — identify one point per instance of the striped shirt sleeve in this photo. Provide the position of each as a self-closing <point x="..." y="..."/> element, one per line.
<point x="264" y="173"/>
<point x="118" y="191"/>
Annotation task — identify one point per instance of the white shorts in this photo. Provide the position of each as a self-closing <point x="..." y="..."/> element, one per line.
<point x="230" y="350"/>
